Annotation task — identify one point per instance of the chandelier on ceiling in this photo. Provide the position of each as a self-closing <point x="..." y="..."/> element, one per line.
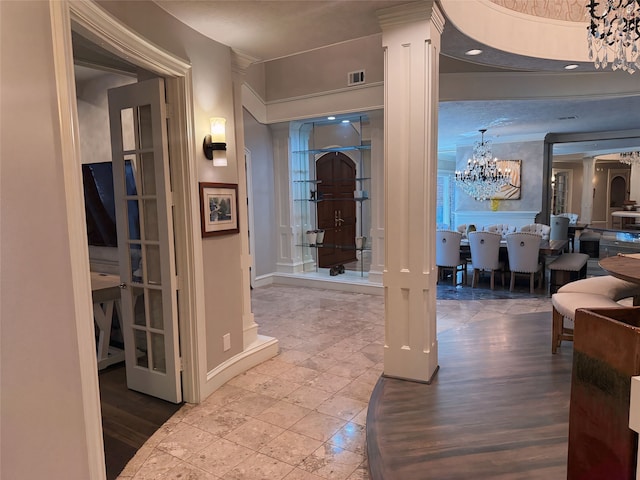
<point x="630" y="158"/>
<point x="482" y="179"/>
<point x="614" y="34"/>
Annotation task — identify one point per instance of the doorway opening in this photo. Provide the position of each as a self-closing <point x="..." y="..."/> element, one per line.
<point x="129" y="418"/>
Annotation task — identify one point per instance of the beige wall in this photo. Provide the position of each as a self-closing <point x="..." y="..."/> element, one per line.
<point x="325" y="69"/>
<point x="42" y="412"/>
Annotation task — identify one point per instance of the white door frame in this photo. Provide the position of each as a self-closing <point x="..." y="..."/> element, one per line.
<point x="95" y="23"/>
<point x="252" y="230"/>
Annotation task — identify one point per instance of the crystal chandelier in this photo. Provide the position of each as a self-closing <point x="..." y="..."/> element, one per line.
<point x="630" y="158"/>
<point x="482" y="178"/>
<point x="614" y="34"/>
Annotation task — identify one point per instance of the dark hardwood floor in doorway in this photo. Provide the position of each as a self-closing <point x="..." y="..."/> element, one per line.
<point x="497" y="409"/>
<point x="128" y="418"/>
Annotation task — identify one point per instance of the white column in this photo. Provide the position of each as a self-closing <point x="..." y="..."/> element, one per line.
<point x="411" y="42"/>
<point x="288" y="232"/>
<point x="239" y="65"/>
<point x="376" y="234"/>
<point x="586" y="204"/>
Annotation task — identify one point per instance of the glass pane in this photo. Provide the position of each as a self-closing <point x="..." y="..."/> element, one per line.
<point x="128" y="129"/>
<point x="135" y="252"/>
<point x="155" y="309"/>
<point x="152" y="254"/>
<point x="139" y="317"/>
<point x="144" y="117"/>
<point x="140" y="339"/>
<point x="148" y="174"/>
<point x="133" y="216"/>
<point x="157" y="351"/>
<point x="130" y="174"/>
<point x="150" y="220"/>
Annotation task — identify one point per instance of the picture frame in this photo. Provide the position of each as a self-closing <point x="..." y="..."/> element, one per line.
<point x="219" y="208"/>
<point x="513" y="189"/>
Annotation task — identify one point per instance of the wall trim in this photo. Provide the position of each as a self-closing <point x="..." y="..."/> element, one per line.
<point x="83" y="306"/>
<point x="486" y="218"/>
<point x="259" y="351"/>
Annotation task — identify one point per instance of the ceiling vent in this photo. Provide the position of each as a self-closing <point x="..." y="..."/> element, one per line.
<point x="355" y="78"/>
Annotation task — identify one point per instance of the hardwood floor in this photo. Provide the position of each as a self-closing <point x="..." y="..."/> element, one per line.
<point x="497" y="409"/>
<point x="128" y="418"/>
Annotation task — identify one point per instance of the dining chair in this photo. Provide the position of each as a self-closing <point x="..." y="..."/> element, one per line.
<point x="448" y="255"/>
<point x="523" y="249"/>
<point x="485" y="253"/>
<point x="537" y="228"/>
<point x="501" y="228"/>
<point x="573" y="217"/>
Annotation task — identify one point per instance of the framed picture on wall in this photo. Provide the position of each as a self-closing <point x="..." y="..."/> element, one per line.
<point x="219" y="208"/>
<point x="513" y="189"/>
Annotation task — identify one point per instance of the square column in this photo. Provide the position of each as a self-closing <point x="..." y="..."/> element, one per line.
<point x="411" y="41"/>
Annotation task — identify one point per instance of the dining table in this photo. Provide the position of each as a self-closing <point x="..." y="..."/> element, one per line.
<point x="625" y="266"/>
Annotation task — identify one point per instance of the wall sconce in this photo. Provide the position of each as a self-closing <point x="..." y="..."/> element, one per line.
<point x="214" y="145"/>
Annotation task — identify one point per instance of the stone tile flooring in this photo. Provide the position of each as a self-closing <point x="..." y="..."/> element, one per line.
<point x="301" y="415"/>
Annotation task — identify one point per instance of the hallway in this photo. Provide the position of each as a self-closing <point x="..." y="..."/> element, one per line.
<point x="301" y="415"/>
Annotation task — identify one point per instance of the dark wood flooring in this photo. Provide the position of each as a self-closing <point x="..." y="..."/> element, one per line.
<point x="497" y="409"/>
<point x="128" y="418"/>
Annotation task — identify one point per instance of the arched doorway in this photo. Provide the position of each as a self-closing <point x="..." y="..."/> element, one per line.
<point x="336" y="208"/>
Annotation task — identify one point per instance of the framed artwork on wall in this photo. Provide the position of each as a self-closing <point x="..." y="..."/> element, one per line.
<point x="513" y="189"/>
<point x="219" y="208"/>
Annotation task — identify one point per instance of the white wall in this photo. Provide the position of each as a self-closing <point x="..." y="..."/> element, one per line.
<point x="258" y="141"/>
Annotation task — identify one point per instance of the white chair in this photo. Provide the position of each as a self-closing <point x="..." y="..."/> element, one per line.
<point x="524" y="250"/>
<point x="573" y="217"/>
<point x="485" y="251"/>
<point x="537" y="228"/>
<point x="502" y="229"/>
<point x="448" y="255"/>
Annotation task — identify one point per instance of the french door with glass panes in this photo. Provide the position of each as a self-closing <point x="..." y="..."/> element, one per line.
<point x="142" y="189"/>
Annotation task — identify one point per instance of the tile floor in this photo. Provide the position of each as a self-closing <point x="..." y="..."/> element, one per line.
<point x="301" y="415"/>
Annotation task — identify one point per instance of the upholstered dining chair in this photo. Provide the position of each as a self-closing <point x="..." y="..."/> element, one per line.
<point x="485" y="252"/>
<point x="448" y="255"/>
<point x="523" y="249"/>
<point x="573" y="217"/>
<point x="537" y="228"/>
<point x="501" y="228"/>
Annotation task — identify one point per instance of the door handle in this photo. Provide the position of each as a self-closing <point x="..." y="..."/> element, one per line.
<point x="338" y="218"/>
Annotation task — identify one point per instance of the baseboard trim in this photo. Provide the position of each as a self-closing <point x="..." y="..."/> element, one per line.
<point x="259" y="351"/>
<point x="354" y="284"/>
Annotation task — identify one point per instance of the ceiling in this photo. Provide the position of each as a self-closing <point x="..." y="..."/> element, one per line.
<point x="267" y="30"/>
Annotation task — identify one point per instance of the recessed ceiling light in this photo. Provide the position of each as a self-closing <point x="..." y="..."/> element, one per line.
<point x="345" y="121"/>
<point x="572" y="66"/>
<point x="331" y="118"/>
<point x="475" y="51"/>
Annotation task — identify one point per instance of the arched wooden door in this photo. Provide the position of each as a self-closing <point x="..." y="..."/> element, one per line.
<point x="336" y="208"/>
